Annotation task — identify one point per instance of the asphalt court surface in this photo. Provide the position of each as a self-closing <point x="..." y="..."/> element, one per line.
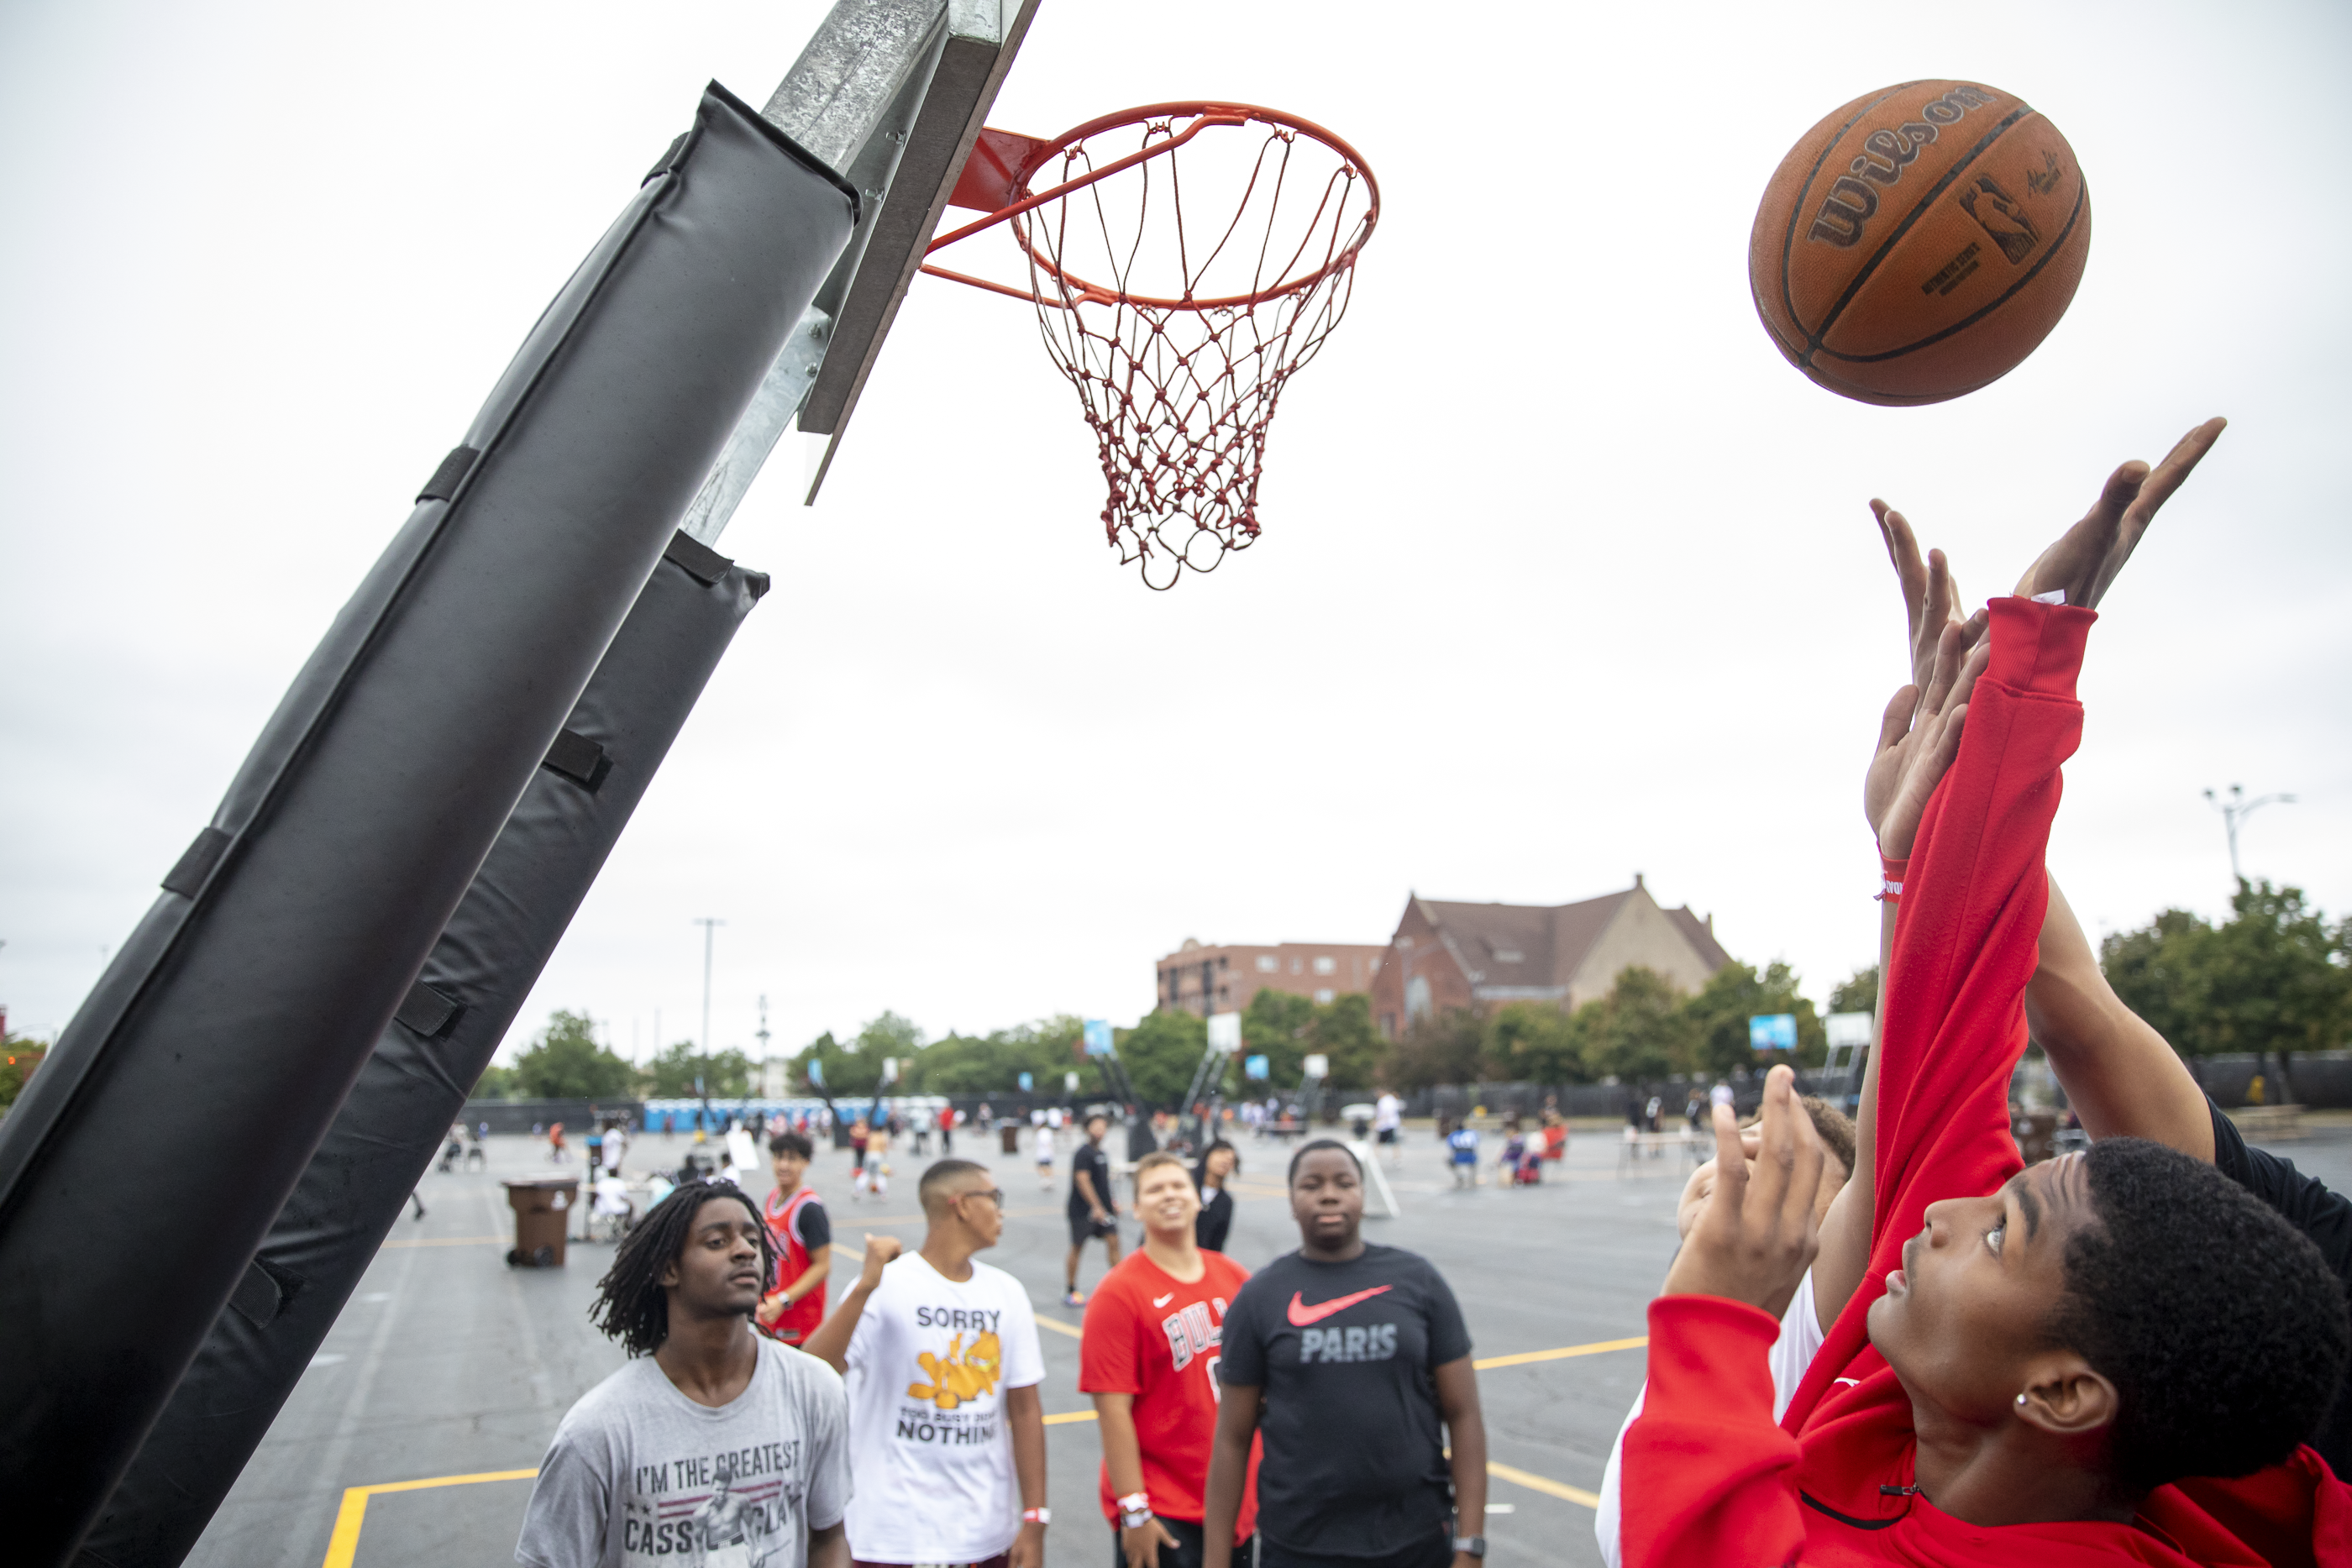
<point x="446" y="1364"/>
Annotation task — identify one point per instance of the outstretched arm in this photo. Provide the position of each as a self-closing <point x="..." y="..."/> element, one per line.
<point x="2119" y="1074"/>
<point x="1933" y="1122"/>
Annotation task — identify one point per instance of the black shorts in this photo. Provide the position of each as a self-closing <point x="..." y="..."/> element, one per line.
<point x="1186" y="1552"/>
<point x="1086" y="1227"/>
<point x="1388" y="1134"/>
<point x="1435" y="1552"/>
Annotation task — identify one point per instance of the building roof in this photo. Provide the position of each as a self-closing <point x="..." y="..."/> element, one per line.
<point x="1539" y="948"/>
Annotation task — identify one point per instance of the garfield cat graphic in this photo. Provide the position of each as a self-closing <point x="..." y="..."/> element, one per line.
<point x="963" y="1373"/>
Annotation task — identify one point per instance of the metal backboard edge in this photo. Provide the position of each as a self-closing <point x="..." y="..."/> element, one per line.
<point x="851" y="96"/>
<point x="970" y="71"/>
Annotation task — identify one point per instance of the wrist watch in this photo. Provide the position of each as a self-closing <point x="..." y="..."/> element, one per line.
<point x="1472" y="1545"/>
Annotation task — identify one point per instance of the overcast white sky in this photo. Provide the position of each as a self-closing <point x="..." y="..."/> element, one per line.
<point x="1565" y="573"/>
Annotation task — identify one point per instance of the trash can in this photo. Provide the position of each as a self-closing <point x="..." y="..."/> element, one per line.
<point x="542" y="1206"/>
<point x="1009" y="1134"/>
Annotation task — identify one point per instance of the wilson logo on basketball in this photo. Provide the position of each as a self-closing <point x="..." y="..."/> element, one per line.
<point x="1853" y="198"/>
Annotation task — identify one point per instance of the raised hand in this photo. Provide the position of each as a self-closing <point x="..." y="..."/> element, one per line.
<point x="1931" y="594"/>
<point x="2086" y="558"/>
<point x="879" y="1251"/>
<point x="1757" y="1232"/>
<point x="1920" y="734"/>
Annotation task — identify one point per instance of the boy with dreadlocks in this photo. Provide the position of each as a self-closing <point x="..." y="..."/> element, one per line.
<point x="714" y="1444"/>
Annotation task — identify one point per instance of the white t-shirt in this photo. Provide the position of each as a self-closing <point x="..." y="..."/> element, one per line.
<point x="639" y="1476"/>
<point x="1801" y="1340"/>
<point x="1387" y="1113"/>
<point x="1045" y="1142"/>
<point x="929" y="1365"/>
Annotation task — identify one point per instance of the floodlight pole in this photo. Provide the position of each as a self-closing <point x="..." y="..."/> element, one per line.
<point x="2236" y="809"/>
<point x="708" y="925"/>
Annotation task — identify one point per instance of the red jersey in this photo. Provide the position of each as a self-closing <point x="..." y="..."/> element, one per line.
<point x="1708" y="1477"/>
<point x="1157" y="1338"/>
<point x="799" y="1227"/>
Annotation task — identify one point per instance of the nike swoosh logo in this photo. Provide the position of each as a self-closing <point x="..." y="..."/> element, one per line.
<point x="1301" y="1315"/>
<point x="1163" y="1301"/>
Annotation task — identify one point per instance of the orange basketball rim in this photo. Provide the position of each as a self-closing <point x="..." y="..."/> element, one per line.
<point x="1184" y="261"/>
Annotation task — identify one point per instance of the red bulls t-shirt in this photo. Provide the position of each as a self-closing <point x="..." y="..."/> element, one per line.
<point x="1160" y="1339"/>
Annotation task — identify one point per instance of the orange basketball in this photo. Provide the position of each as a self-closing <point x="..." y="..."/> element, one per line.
<point x="1920" y="242"/>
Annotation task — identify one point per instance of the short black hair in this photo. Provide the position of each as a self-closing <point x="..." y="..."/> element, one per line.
<point x="791" y="1143"/>
<point x="631" y="1305"/>
<point x="2220" y="1325"/>
<point x="1308" y="1147"/>
<point x="941" y="1172"/>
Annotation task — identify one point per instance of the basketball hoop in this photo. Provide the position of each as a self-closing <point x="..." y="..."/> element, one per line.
<point x="1178" y="328"/>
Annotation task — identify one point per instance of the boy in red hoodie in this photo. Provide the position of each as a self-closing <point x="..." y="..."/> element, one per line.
<point x="2031" y="1365"/>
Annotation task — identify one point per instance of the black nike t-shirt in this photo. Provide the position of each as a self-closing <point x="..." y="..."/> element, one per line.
<point x="1355" y="1460"/>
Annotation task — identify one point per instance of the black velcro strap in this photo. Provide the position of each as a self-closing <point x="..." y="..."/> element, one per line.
<point x="580" y="760"/>
<point x="670" y="158"/>
<point x="264" y="1292"/>
<point x="427" y="1011"/>
<point x="697" y="560"/>
<point x="195" y="867"/>
<point x="449" y="475"/>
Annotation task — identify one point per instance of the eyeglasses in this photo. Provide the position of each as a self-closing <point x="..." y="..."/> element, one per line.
<point x="995" y="1194"/>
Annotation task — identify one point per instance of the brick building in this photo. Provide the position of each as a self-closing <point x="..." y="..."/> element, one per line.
<point x="1202" y="979"/>
<point x="1476" y="955"/>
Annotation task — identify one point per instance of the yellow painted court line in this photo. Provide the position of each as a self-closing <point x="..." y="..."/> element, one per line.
<point x="1058" y="1326"/>
<point x="1528" y="1357"/>
<point x="1543" y="1484"/>
<point x="344" y="1543"/>
<point x="454" y="1242"/>
<point x="1067" y="1416"/>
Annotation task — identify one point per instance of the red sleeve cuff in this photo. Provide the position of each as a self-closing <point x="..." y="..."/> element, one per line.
<point x="2038" y="648"/>
<point x="1709" y="1352"/>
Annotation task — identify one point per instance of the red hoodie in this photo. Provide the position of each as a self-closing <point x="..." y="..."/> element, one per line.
<point x="1708" y="1477"/>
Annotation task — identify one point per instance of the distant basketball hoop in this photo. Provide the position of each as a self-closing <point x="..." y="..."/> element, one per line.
<point x="1190" y="258"/>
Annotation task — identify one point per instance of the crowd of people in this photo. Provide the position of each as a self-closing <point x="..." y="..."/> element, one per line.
<point x="1882" y="1341"/>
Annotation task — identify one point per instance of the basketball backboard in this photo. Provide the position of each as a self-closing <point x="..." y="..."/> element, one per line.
<point x="892" y="94"/>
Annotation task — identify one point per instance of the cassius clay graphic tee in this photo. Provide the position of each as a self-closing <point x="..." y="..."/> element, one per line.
<point x="639" y="1476"/>
<point x="929" y="1365"/>
<point x="1151" y="1335"/>
<point x="1345" y="1352"/>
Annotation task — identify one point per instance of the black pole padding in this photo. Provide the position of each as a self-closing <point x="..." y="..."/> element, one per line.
<point x="414" y="1085"/>
<point x="142" y="1168"/>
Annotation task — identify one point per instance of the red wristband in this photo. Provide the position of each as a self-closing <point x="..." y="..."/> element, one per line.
<point x="1891" y="873"/>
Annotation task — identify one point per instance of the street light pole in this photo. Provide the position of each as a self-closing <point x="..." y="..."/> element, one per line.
<point x="2236" y="809"/>
<point x="702" y="1090"/>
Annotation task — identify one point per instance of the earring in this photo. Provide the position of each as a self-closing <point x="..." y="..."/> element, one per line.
<point x="2021" y="1400"/>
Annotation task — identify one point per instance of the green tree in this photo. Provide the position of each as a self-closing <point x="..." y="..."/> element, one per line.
<point x="564" y="1062"/>
<point x="681" y="1072"/>
<point x="1535" y="1042"/>
<point x="1717" y="1018"/>
<point x="19" y="1055"/>
<point x="1161" y="1053"/>
<point x="1277" y="1026"/>
<point x="1342" y="1029"/>
<point x="2273" y="979"/>
<point x="1857" y="993"/>
<point x="2160" y="972"/>
<point x="2276" y="977"/>
<point x="1638" y="1030"/>
<point x="1439" y="1048"/>
<point x="849" y="1072"/>
<point x="496" y="1083"/>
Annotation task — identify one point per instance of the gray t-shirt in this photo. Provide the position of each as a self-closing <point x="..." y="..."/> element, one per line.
<point x="639" y="1476"/>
